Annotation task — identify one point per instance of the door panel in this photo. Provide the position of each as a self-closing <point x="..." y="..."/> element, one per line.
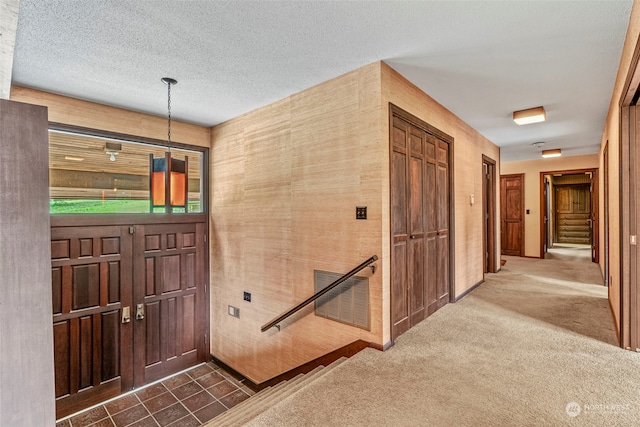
<point x="159" y="274"/>
<point x="169" y="333"/>
<point x="420" y="224"/>
<point x="512" y="214"/>
<point x="92" y="347"/>
<point x="399" y="230"/>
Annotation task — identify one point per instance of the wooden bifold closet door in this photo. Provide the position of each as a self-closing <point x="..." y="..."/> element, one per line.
<point x="419" y="224"/>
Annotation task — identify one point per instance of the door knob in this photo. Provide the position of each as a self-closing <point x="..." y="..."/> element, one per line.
<point x="139" y="311"/>
<point x="126" y="314"/>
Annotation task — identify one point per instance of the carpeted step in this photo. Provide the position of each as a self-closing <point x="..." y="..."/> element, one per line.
<point x="269" y="397"/>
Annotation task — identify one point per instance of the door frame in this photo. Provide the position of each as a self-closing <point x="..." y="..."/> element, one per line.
<point x="416" y="121"/>
<point x="489" y="209"/>
<point x="594" y="207"/>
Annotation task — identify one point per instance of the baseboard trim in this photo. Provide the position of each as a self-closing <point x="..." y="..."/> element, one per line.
<point x="468" y="291"/>
<point x="346" y="351"/>
<point x="383" y="347"/>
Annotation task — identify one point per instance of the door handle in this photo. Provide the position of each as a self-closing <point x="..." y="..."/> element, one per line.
<point x="126" y="314"/>
<point x="139" y="311"/>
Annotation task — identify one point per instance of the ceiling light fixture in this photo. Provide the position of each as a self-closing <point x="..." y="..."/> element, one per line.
<point x="74" y="158"/>
<point x="112" y="149"/>
<point x="168" y="177"/>
<point x="551" y="153"/>
<point x="532" y="115"/>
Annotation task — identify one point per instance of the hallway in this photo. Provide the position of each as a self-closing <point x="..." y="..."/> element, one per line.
<point x="534" y="345"/>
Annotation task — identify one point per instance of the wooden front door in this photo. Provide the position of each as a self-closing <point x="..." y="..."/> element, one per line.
<point x="512" y="214"/>
<point x="170" y="314"/>
<point x="420" y="220"/>
<point x="129" y="307"/>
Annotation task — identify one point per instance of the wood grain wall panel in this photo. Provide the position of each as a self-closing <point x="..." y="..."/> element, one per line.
<point x="91" y="115"/>
<point x="285" y="182"/>
<point x="152" y="348"/>
<point x="110" y="357"/>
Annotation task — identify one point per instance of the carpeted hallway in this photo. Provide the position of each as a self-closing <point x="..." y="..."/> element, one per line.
<point x="534" y="345"/>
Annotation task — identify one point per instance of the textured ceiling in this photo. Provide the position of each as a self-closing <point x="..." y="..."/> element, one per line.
<point x="480" y="59"/>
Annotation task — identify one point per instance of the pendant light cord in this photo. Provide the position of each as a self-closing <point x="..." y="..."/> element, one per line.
<point x="169" y="115"/>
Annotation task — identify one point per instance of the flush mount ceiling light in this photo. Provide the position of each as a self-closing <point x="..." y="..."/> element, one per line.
<point x="168" y="178"/>
<point x="552" y="153"/>
<point x="532" y="115"/>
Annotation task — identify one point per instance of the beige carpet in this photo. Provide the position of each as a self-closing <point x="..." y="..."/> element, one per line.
<point x="532" y="346"/>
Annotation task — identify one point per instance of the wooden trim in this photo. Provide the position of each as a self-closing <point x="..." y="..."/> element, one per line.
<point x="348" y="350"/>
<point x="63" y="127"/>
<point x="416" y="121"/>
<point x="491" y="228"/>
<point x="468" y="291"/>
<point x="384" y="347"/>
<point x="83" y="220"/>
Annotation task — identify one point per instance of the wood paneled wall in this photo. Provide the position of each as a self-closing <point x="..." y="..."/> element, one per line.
<point x="27" y="395"/>
<point x="611" y="133"/>
<point x="285" y="183"/>
<point x="72" y="111"/>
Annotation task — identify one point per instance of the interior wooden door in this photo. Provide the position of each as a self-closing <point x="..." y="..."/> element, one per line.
<point x="512" y="214"/>
<point x="420" y="222"/>
<point x="169" y="310"/>
<point x="91" y="289"/>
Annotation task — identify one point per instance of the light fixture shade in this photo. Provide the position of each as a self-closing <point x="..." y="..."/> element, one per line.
<point x="551" y="153"/>
<point x="532" y="115"/>
<point x="168" y="185"/>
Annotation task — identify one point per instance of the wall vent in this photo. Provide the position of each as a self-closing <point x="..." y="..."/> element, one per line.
<point x="346" y="303"/>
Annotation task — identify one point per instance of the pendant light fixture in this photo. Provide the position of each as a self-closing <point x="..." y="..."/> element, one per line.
<point x="168" y="178"/>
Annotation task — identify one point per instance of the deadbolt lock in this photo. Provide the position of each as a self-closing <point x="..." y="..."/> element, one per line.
<point x="139" y="311"/>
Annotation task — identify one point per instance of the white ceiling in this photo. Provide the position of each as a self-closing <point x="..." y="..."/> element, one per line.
<point x="480" y="59"/>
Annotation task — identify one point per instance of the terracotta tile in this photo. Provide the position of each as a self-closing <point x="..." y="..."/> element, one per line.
<point x="121" y="404"/>
<point x="65" y="423"/>
<point x="130" y="416"/>
<point x="222" y="389"/>
<point x="208" y="412"/>
<point x="176" y="381"/>
<point x="198" y="400"/>
<point x="187" y="390"/>
<point x="103" y="423"/>
<point x="151" y="391"/>
<point x="209" y="380"/>
<point x="188" y="421"/>
<point x="232" y="399"/>
<point x="160" y="402"/>
<point x="89" y="417"/>
<point x="200" y="371"/>
<point x="145" y="422"/>
<point x="171" y="414"/>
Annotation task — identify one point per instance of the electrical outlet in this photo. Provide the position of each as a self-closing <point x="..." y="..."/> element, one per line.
<point x="247" y="296"/>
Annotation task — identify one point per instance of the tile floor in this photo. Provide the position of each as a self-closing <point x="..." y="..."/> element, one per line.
<point x="187" y="399"/>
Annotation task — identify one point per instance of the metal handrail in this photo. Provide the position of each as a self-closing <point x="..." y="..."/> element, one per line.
<point x="283" y="316"/>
